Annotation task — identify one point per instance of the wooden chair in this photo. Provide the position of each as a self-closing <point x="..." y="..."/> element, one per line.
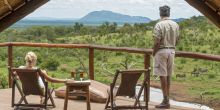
<point x="28" y="79"/>
<point x="127" y="87"/>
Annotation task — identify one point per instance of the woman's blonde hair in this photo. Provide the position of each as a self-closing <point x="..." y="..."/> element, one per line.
<point x="31" y="59"/>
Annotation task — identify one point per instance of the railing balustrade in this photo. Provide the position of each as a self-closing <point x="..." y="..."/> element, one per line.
<point x="146" y="52"/>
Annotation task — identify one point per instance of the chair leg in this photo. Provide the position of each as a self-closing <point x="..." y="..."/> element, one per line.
<point x="137" y="101"/>
<point x="107" y="102"/>
<point x="88" y="99"/>
<point x="23" y="98"/>
<point x="147" y="89"/>
<point x="51" y="98"/>
<point x="111" y="98"/>
<point x="46" y="95"/>
<point x="112" y="107"/>
<point x="50" y="92"/>
<point x="66" y="98"/>
<point x="13" y="94"/>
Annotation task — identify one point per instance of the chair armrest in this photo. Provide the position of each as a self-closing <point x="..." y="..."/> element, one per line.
<point x="112" y="86"/>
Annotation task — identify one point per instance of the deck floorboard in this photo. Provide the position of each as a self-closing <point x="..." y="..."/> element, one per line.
<point x="5" y="103"/>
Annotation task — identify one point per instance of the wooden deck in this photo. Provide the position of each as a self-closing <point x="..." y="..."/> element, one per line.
<point x="5" y="103"/>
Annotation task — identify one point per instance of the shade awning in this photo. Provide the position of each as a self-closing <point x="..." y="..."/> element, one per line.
<point x="12" y="11"/>
<point x="210" y="8"/>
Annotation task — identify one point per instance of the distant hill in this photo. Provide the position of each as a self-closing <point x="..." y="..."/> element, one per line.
<point x="93" y="18"/>
<point x="109" y="16"/>
<point x="179" y="19"/>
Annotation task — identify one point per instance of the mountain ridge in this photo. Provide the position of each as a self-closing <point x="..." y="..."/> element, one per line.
<point x="93" y="18"/>
<point x="109" y="16"/>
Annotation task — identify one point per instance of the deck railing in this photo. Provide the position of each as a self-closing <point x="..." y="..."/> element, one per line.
<point x="146" y="52"/>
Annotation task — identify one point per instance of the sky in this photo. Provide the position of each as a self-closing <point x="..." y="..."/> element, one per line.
<point x="146" y="8"/>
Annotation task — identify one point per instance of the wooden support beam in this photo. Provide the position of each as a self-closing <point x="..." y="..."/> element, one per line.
<point x="91" y="63"/>
<point x="206" y="10"/>
<point x="147" y="66"/>
<point x="20" y="13"/>
<point x="10" y="65"/>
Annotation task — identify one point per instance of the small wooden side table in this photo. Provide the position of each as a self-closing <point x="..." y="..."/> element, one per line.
<point x="77" y="88"/>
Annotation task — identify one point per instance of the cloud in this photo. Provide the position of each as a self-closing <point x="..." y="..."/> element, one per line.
<point x="79" y="8"/>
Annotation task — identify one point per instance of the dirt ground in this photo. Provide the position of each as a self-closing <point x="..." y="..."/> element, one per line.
<point x="178" y="92"/>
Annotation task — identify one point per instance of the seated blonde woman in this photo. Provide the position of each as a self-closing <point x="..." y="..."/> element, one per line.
<point x="31" y="60"/>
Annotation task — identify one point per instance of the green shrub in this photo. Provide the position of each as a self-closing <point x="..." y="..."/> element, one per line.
<point x="183" y="61"/>
<point x="204" y="51"/>
<point x="51" y="64"/>
<point x="98" y="57"/>
<point x="180" y="48"/>
<point x="2" y="57"/>
<point x="3" y="81"/>
<point x="211" y="76"/>
<point x="19" y="61"/>
<point x="179" y="67"/>
<point x="197" y="49"/>
<point x="64" y="68"/>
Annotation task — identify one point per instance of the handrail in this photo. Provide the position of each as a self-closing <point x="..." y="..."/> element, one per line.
<point x="108" y="48"/>
<point x="198" y="56"/>
<point x="122" y="49"/>
<point x="28" y="44"/>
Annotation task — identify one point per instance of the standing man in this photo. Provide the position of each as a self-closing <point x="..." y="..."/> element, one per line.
<point x="165" y="35"/>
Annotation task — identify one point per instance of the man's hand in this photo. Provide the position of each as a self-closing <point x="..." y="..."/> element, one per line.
<point x="154" y="53"/>
<point x="156" y="46"/>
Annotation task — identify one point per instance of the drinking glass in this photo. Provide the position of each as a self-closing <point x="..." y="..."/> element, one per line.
<point x="81" y="76"/>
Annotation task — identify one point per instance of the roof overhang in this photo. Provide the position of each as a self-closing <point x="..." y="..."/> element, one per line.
<point x="210" y="8"/>
<point x="12" y="11"/>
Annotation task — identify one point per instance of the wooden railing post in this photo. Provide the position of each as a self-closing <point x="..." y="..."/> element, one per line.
<point x="147" y="66"/>
<point x="91" y="63"/>
<point x="10" y="64"/>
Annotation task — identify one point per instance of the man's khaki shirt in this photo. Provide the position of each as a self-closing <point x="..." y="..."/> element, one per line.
<point x="167" y="31"/>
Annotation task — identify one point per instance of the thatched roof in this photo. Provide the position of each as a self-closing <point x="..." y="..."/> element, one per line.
<point x="210" y="8"/>
<point x="13" y="10"/>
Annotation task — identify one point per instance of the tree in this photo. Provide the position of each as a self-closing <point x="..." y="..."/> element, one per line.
<point x="113" y="27"/>
<point x="127" y="29"/>
<point x="77" y="27"/>
<point x="104" y="28"/>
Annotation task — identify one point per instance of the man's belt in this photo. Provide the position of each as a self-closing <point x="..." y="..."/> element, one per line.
<point x="167" y="48"/>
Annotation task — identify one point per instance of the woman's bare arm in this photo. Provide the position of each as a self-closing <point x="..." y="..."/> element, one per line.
<point x="50" y="79"/>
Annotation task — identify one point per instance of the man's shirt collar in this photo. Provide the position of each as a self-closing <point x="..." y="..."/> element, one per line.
<point x="164" y="18"/>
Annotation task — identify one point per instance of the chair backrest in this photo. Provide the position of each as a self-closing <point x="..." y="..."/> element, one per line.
<point x="129" y="79"/>
<point x="30" y="81"/>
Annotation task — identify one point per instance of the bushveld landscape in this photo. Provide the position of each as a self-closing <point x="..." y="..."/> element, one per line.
<point x="193" y="80"/>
